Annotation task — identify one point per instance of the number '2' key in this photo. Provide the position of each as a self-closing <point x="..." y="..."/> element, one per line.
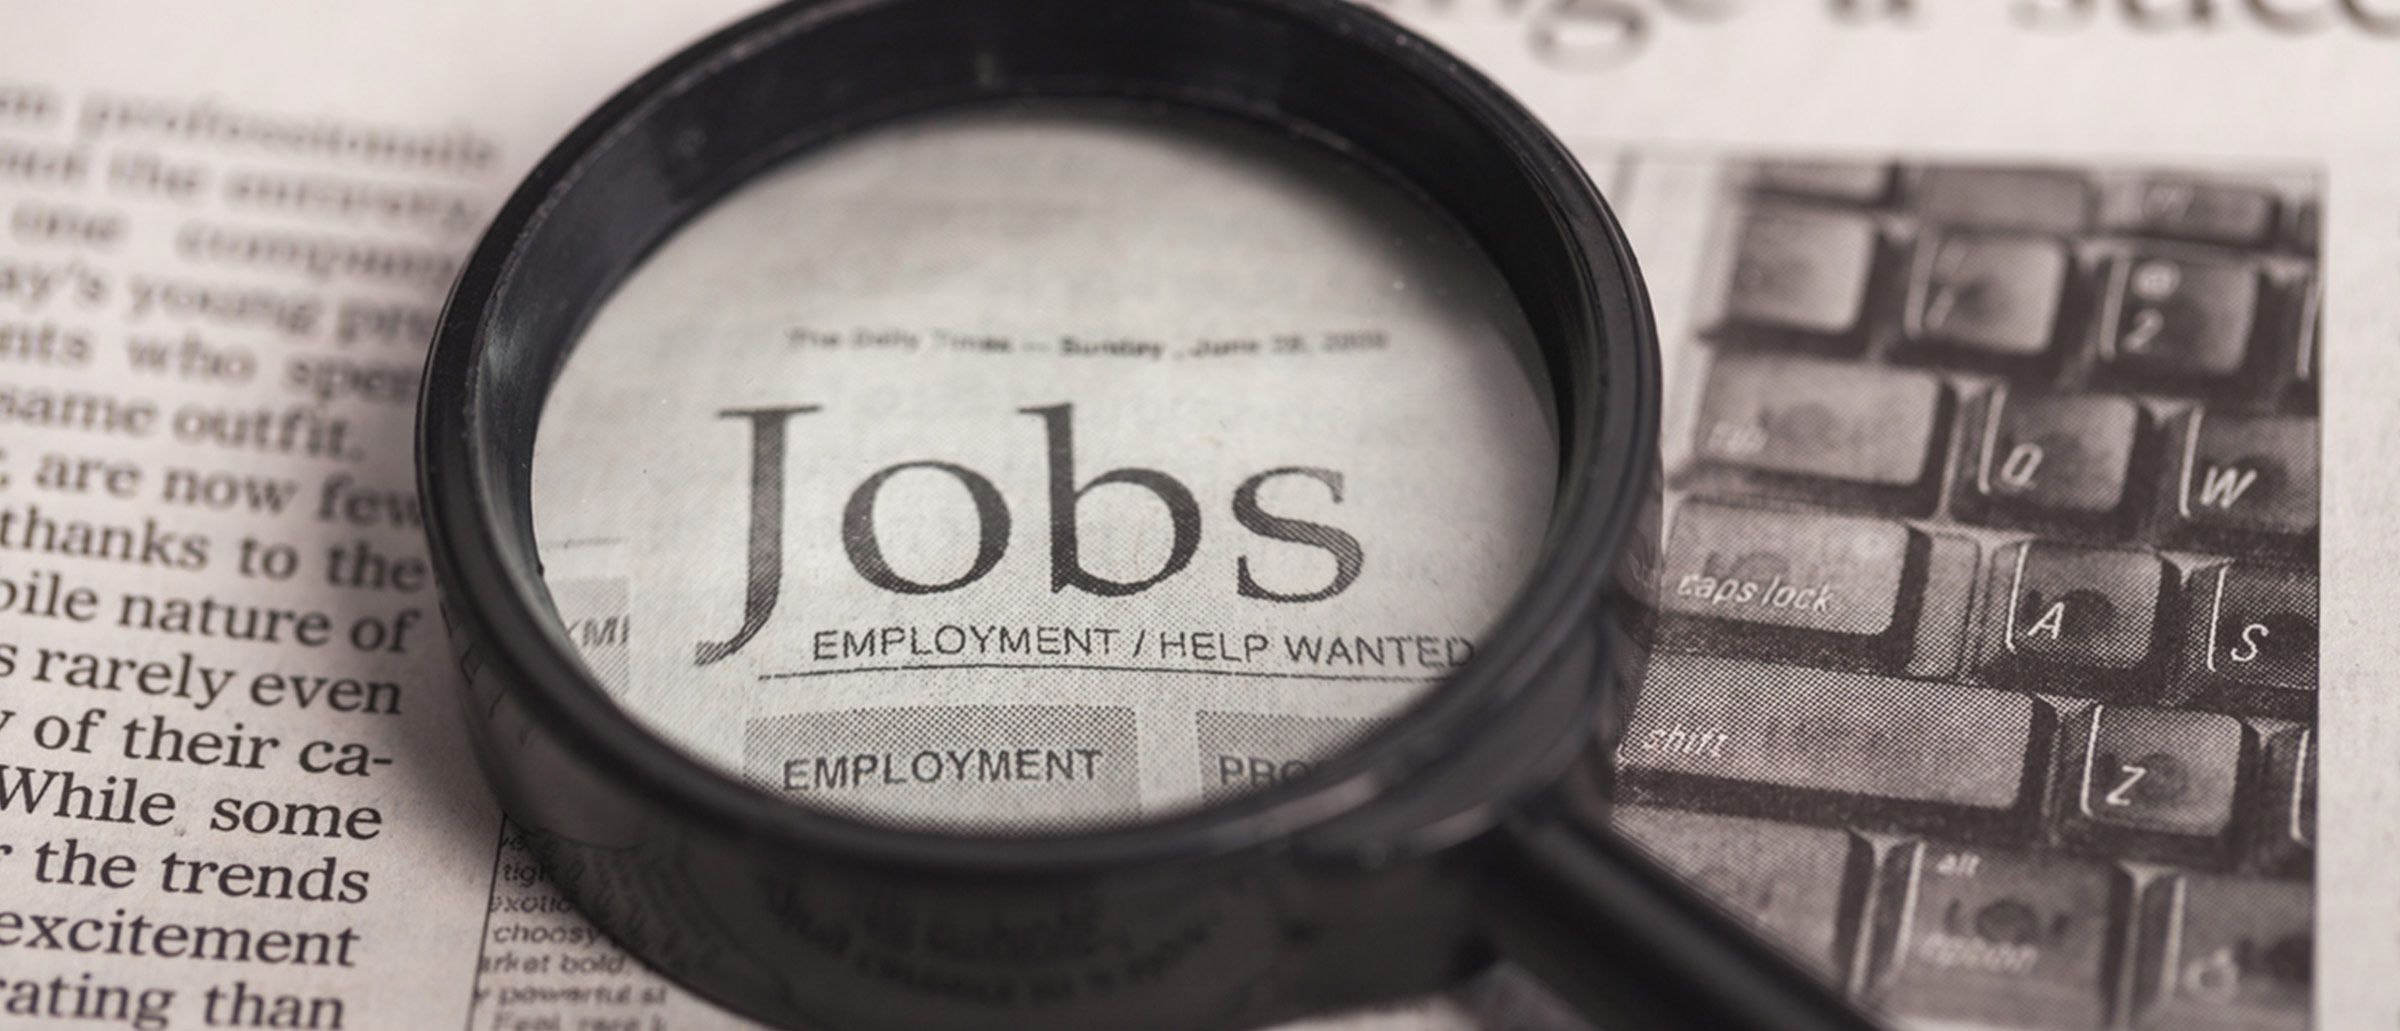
<point x="2180" y="316"/>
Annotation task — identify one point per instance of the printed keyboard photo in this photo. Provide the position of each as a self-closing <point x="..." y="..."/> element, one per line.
<point x="1987" y="639"/>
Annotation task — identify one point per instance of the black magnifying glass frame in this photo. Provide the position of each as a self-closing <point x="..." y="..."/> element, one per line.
<point x="1473" y="819"/>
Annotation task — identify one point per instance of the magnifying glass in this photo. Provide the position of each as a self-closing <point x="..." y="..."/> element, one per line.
<point x="1069" y="513"/>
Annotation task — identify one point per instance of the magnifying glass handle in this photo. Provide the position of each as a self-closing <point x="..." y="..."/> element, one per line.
<point x="1629" y="945"/>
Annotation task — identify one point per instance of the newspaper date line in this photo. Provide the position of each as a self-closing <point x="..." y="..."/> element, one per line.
<point x="899" y="340"/>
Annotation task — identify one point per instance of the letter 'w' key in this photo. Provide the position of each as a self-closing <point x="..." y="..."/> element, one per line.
<point x="2248" y="475"/>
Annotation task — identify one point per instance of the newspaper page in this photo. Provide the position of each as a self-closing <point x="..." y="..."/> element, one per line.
<point x="2111" y="280"/>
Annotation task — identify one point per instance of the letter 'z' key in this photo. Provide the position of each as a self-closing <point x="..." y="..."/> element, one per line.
<point x="2062" y="612"/>
<point x="2157" y="775"/>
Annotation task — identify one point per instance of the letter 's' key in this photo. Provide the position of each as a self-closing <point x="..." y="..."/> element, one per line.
<point x="2253" y="634"/>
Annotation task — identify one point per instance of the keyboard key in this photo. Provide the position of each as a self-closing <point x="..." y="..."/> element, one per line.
<point x="2062" y="605"/>
<point x="2162" y="771"/>
<point x="1799" y="570"/>
<point x="1801" y="269"/>
<point x="1802" y="729"/>
<point x="2186" y="209"/>
<point x="1990" y="937"/>
<point x="2311" y="321"/>
<point x="1782" y="878"/>
<point x="1987" y="293"/>
<point x="2287" y="813"/>
<point x="2065" y="455"/>
<point x="1854" y="424"/>
<point x="2255" y="625"/>
<point x="2305" y="227"/>
<point x="2179" y="316"/>
<point x="2249" y="474"/>
<point x="1832" y="180"/>
<point x="2223" y="953"/>
<point x="2053" y="202"/>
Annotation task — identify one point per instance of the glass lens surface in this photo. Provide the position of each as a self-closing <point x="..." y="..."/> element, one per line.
<point x="1041" y="468"/>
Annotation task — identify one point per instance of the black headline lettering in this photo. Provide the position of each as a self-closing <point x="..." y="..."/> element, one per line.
<point x="763" y="583"/>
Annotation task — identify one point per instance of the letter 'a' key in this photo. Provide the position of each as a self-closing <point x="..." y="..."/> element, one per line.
<point x="2065" y="609"/>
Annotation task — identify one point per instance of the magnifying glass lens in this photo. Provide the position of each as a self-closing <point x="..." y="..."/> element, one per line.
<point x="1043" y="467"/>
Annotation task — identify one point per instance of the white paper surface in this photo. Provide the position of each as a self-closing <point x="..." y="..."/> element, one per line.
<point x="275" y="310"/>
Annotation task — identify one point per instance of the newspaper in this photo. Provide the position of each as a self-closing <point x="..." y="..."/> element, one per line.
<point x="224" y="704"/>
